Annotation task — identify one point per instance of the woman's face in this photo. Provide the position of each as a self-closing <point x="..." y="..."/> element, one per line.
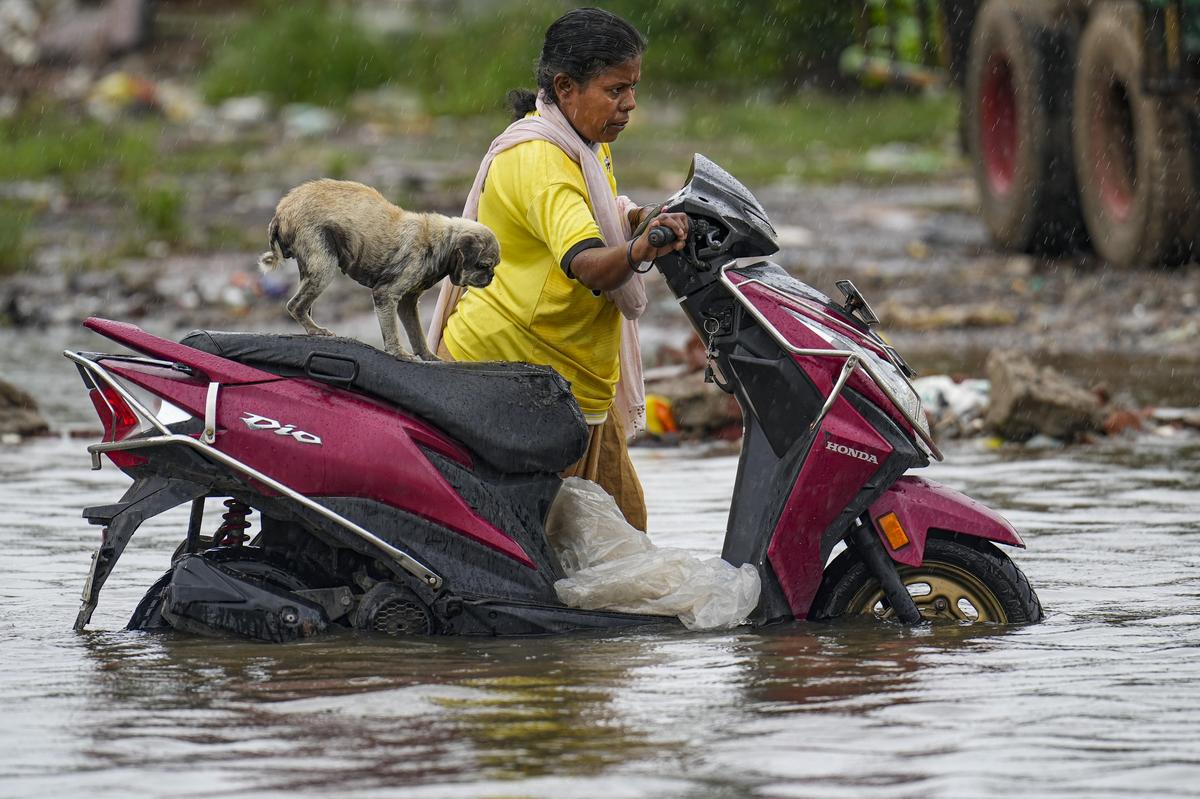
<point x="599" y="109"/>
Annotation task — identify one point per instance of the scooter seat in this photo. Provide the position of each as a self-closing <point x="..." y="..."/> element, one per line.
<point x="516" y="417"/>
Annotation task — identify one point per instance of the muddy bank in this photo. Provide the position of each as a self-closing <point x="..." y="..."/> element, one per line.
<point x="917" y="252"/>
<point x="920" y="254"/>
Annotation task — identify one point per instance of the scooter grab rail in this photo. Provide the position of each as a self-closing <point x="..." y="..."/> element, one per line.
<point x="132" y="401"/>
<point x="867" y="368"/>
<point x="406" y="561"/>
<point x="851" y="362"/>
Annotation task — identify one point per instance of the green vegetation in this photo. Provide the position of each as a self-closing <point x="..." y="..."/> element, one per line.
<point x="740" y="93"/>
<point x="777" y="44"/>
<point x="52" y="143"/>
<point x="300" y="52"/>
<point x="191" y="157"/>
<point x="900" y="43"/>
<point x="468" y="67"/>
<point x="230" y="237"/>
<point x="159" y="210"/>
<point x="316" y="52"/>
<point x="56" y="143"/>
<point x="850" y="123"/>
<point x="340" y="163"/>
<point x="904" y="29"/>
<point x="14" y="237"/>
<point x="811" y="137"/>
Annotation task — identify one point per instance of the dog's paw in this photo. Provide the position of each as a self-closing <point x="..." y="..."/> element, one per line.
<point x="321" y="331"/>
<point x="429" y="357"/>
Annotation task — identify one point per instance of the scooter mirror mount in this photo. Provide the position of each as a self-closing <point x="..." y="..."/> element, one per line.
<point x="856" y="304"/>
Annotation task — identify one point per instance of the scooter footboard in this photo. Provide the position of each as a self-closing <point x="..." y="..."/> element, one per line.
<point x="913" y="507"/>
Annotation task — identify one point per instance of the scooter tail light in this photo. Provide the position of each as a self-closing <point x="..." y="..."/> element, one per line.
<point x="119" y="420"/>
<point x="889" y="523"/>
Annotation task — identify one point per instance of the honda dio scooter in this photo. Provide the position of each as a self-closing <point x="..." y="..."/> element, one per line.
<point x="409" y="498"/>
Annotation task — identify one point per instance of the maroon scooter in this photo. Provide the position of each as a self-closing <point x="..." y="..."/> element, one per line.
<point x="409" y="498"/>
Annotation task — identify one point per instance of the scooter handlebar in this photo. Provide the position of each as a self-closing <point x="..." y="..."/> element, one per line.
<point x="661" y="237"/>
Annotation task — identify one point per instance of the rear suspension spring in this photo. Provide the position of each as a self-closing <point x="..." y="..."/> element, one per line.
<point x="232" y="532"/>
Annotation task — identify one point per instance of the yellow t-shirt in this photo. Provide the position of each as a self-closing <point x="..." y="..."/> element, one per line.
<point x="536" y="202"/>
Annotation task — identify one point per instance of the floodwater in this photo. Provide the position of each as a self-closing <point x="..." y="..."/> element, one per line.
<point x="1100" y="700"/>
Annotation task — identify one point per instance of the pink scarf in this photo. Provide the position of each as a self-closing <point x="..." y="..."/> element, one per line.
<point x="612" y="215"/>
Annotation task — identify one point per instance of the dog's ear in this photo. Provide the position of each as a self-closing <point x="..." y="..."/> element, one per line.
<point x="452" y="264"/>
<point x="482" y="246"/>
<point x="476" y="253"/>
<point x="470" y="248"/>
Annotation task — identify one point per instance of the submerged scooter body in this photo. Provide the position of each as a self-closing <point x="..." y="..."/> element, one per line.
<point x="352" y="492"/>
<point x="410" y="498"/>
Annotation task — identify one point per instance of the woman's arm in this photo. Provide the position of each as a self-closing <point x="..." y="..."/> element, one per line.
<point x="605" y="268"/>
<point x="637" y="213"/>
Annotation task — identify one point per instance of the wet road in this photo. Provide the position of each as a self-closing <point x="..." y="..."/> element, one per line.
<point x="1101" y="700"/>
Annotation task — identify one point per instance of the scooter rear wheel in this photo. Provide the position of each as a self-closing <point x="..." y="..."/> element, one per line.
<point x="961" y="579"/>
<point x="249" y="561"/>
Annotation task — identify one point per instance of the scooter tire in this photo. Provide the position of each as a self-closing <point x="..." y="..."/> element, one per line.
<point x="962" y="579"/>
<point x="250" y="561"/>
<point x="148" y="613"/>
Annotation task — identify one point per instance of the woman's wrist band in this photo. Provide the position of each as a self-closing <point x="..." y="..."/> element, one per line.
<point x="630" y="261"/>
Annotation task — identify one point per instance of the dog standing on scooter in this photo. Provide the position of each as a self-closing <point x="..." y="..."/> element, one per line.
<point x="330" y="225"/>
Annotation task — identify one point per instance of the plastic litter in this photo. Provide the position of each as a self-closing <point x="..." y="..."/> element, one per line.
<point x="19" y="23"/>
<point x="955" y="408"/>
<point x="612" y="566"/>
<point x="303" y="121"/>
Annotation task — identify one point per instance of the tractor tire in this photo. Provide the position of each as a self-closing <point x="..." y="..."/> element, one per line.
<point x="1016" y="111"/>
<point x="1137" y="179"/>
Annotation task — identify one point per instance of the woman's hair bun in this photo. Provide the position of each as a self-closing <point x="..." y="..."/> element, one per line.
<point x="522" y="101"/>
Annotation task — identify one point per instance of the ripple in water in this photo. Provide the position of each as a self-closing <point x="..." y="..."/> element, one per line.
<point x="1102" y="699"/>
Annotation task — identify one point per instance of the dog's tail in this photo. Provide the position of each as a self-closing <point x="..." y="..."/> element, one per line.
<point x="273" y="257"/>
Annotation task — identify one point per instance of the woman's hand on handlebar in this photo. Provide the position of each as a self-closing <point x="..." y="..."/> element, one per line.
<point x="676" y="224"/>
<point x="607" y="268"/>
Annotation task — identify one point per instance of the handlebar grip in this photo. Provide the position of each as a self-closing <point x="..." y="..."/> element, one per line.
<point x="661" y="236"/>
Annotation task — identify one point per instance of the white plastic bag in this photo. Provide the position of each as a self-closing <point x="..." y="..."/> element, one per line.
<point x="955" y="408"/>
<point x="612" y="566"/>
<point x="586" y="528"/>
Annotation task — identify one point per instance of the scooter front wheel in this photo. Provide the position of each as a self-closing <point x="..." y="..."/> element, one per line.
<point x="961" y="579"/>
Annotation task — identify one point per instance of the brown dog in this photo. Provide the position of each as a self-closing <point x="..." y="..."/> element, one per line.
<point x="330" y="225"/>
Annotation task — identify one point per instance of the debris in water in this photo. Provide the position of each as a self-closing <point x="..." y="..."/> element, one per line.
<point x="1027" y="401"/>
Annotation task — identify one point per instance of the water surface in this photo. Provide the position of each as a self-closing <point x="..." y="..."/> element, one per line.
<point x="1102" y="699"/>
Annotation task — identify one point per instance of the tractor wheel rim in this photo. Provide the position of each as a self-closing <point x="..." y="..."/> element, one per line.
<point x="940" y="591"/>
<point x="999" y="129"/>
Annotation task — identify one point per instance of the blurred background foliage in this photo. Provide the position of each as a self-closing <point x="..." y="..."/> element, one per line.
<point x="311" y="51"/>
<point x="14" y="245"/>
<point x="763" y="47"/>
<point x="794" y="91"/>
<point x="780" y="45"/>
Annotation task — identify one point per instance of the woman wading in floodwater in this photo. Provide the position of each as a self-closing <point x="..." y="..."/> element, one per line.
<point x="567" y="292"/>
